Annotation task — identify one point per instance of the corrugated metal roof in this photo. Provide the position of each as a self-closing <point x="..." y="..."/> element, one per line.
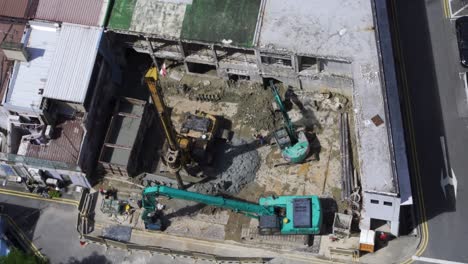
<point x="83" y="12"/>
<point x="10" y="33"/>
<point x="73" y="63"/>
<point x="17" y="8"/>
<point x="29" y="77"/>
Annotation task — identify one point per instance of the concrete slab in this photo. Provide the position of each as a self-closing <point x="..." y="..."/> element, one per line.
<point x="341" y="30"/>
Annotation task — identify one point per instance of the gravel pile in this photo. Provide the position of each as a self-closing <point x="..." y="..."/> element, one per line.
<point x="237" y="165"/>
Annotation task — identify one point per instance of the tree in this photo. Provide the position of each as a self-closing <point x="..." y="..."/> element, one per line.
<point x="17" y="256"/>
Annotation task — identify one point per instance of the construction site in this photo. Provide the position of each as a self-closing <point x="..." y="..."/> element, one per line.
<point x="247" y="164"/>
<point x="250" y="122"/>
<point x="242" y="142"/>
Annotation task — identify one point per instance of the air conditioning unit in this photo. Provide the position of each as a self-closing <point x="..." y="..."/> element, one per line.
<point x="14" y="51"/>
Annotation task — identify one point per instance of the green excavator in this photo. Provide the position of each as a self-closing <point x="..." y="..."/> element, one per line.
<point x="285" y="215"/>
<point x="294" y="145"/>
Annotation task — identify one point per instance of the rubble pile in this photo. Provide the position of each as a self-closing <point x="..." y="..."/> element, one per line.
<point x="237" y="165"/>
<point x="256" y="110"/>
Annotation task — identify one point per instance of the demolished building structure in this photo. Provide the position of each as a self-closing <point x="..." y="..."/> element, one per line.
<point x="300" y="46"/>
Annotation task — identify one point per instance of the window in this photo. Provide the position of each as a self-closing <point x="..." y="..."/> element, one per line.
<point x="276" y="59"/>
<point x="307" y="63"/>
<point x="387" y="203"/>
<point x="201" y="68"/>
<point x="236" y="55"/>
<point x="374" y="201"/>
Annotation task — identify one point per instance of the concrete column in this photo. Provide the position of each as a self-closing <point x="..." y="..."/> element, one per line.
<point x="215" y="56"/>
<point x="259" y="62"/>
<point x="394" y="228"/>
<point x="365" y="223"/>
<point x="184" y="56"/>
<point x="295" y="60"/>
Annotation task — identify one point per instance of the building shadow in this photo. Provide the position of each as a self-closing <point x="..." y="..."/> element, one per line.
<point x="24" y="217"/>
<point x="424" y="106"/>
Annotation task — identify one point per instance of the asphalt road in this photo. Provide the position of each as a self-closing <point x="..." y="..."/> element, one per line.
<point x="436" y="100"/>
<point x="52" y="229"/>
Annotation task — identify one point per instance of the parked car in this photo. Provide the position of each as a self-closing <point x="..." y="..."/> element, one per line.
<point x="461" y="25"/>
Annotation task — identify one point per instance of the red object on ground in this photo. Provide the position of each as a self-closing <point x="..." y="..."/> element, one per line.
<point x="383" y="236"/>
<point x="82" y="243"/>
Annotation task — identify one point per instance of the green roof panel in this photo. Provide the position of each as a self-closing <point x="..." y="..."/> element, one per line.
<point x="121" y="16"/>
<point x="215" y="20"/>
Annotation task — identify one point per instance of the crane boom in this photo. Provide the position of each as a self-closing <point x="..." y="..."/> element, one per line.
<point x="151" y="78"/>
<point x="249" y="209"/>
<point x="276" y="214"/>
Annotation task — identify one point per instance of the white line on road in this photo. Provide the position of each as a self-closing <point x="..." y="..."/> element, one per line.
<point x="449" y="179"/>
<point x="433" y="260"/>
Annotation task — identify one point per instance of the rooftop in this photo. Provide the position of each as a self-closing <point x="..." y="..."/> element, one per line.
<point x="301" y="27"/>
<point x="8" y="33"/>
<point x="162" y="18"/>
<point x="218" y="21"/>
<point x="83" y="12"/>
<point x="200" y="20"/>
<point x="73" y="63"/>
<point x="64" y="146"/>
<point x="17" y="8"/>
<point x="30" y="77"/>
<point x="60" y="64"/>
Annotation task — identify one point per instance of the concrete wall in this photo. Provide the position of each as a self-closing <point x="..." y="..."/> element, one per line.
<point x="3" y="118"/>
<point x="330" y="73"/>
<point x="381" y="207"/>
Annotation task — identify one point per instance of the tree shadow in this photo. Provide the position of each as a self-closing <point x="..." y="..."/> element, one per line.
<point x="92" y="259"/>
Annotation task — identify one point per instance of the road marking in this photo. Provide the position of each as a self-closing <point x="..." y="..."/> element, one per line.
<point x="446" y="6"/>
<point x="32" y="196"/>
<point x="433" y="260"/>
<point x="449" y="179"/>
<point x="409" y="120"/>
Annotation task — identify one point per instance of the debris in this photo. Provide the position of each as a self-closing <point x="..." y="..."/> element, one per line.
<point x="176" y="75"/>
<point x="238" y="165"/>
<point x="342" y="225"/>
<point x="206" y="83"/>
<point x="257" y="111"/>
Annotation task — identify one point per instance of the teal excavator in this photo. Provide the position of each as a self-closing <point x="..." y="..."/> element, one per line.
<point x="294" y="145"/>
<point x="285" y="215"/>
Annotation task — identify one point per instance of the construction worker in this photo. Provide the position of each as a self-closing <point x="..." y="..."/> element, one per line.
<point x="127" y="209"/>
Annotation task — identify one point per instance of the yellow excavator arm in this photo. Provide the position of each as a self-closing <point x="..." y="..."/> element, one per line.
<point x="151" y="78"/>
